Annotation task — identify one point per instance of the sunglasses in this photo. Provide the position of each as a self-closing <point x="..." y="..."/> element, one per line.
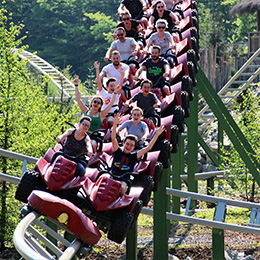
<point x="161" y="27"/>
<point x="160" y="6"/>
<point x="86" y="125"/>
<point x="121" y="34"/>
<point x="126" y="19"/>
<point x="96" y="102"/>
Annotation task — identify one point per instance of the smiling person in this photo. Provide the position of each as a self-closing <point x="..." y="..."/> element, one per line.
<point x="78" y="142"/>
<point x="160" y="12"/>
<point x="107" y="94"/>
<point x="132" y="28"/>
<point x="145" y="99"/>
<point x="125" y="158"/>
<point x="164" y="40"/>
<point x="135" y="126"/>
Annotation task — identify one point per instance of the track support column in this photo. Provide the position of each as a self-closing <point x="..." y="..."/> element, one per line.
<point x="159" y="218"/>
<point x="131" y="243"/>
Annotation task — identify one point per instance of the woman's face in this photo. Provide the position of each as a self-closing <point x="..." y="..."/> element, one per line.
<point x="126" y="19"/>
<point x="160" y="7"/>
<point x="161" y="27"/>
<point x="96" y="103"/>
<point x="136" y="116"/>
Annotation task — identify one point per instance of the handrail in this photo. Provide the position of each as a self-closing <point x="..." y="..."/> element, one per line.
<point x="23" y="54"/>
<point x="211" y="223"/>
<point x="231" y="81"/>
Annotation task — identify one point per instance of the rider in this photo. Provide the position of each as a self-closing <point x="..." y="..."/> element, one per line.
<point x="107" y="94"/>
<point x="78" y="142"/>
<point x="125" y="158"/>
<point x="145" y="99"/>
<point x="157" y="69"/>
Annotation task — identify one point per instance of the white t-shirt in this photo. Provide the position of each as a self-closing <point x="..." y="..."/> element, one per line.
<point x="126" y="48"/>
<point x="107" y="98"/>
<point x="111" y="71"/>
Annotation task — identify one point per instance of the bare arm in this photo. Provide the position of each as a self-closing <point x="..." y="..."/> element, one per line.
<point x="139" y="71"/>
<point x="151" y="23"/>
<point x="167" y="70"/>
<point x="61" y="137"/>
<point x="121" y="8"/>
<point x="82" y="106"/>
<point x="113" y="134"/>
<point x="108" y="53"/>
<point x="97" y="65"/>
<point x="152" y="142"/>
<point x="88" y="146"/>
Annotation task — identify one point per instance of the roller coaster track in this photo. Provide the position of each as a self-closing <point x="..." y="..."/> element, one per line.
<point x="57" y="78"/>
<point x="244" y="77"/>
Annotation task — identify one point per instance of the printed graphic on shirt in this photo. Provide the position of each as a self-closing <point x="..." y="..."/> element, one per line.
<point x="123" y="165"/>
<point x="155" y="71"/>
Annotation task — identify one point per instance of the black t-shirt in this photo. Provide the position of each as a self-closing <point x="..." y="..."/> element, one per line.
<point x="133" y="33"/>
<point x="146" y="103"/>
<point x="166" y="16"/>
<point x="155" y="70"/>
<point x="134" y="7"/>
<point x="123" y="163"/>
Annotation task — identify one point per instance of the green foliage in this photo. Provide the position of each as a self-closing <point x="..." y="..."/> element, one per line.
<point x="28" y="122"/>
<point x="248" y="119"/>
<point x="70" y="32"/>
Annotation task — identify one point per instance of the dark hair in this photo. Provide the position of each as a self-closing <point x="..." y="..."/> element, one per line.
<point x="85" y="118"/>
<point x="132" y="138"/>
<point x="112" y="79"/>
<point x="156" y="47"/>
<point x="146" y="81"/>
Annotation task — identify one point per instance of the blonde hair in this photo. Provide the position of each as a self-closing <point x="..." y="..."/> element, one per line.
<point x="137" y="109"/>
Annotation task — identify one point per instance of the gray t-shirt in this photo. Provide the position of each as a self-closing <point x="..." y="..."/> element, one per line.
<point x="126" y="48"/>
<point x="164" y="44"/>
<point x="139" y="131"/>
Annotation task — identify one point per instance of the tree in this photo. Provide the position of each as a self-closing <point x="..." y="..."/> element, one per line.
<point x="27" y="122"/>
<point x="64" y="32"/>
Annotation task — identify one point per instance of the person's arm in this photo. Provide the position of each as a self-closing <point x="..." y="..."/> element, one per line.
<point x="109" y="51"/>
<point x="171" y="42"/>
<point x="61" y="137"/>
<point x="151" y="23"/>
<point x="89" y="146"/>
<point x="157" y="103"/>
<point x="99" y="84"/>
<point x="148" y="45"/>
<point x="136" y="47"/>
<point x="113" y="134"/>
<point x="121" y="8"/>
<point x="152" y="142"/>
<point x="146" y="133"/>
<point x="167" y="70"/>
<point x="174" y="17"/>
<point x="128" y="102"/>
<point x="143" y="4"/>
<point x="122" y="76"/>
<point x="82" y="106"/>
<point x="139" y="71"/>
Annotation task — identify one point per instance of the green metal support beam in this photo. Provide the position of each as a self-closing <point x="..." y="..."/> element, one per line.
<point x="131" y="243"/>
<point x="192" y="124"/>
<point x="159" y="217"/>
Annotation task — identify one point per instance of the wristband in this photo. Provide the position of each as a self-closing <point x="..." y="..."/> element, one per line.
<point x="76" y="85"/>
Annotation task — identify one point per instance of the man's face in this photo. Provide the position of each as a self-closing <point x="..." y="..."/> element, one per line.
<point x="146" y="88"/>
<point x="116" y="59"/>
<point x="120" y="35"/>
<point x="111" y="87"/>
<point x="155" y="54"/>
<point x="128" y="145"/>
